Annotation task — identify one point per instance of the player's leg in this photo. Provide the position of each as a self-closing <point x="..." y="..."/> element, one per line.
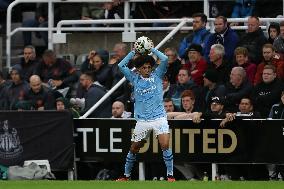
<point x="164" y="140"/>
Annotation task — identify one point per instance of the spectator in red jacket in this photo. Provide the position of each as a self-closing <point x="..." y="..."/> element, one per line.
<point x="270" y="57"/>
<point x="196" y="64"/>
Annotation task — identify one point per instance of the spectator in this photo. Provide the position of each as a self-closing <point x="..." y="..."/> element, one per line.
<point x="237" y="88"/>
<point x="277" y="110"/>
<point x="188" y="107"/>
<point x="169" y="105"/>
<point x="242" y="60"/>
<point x="56" y="72"/>
<point x="17" y="90"/>
<point x="268" y="92"/>
<point x="39" y="96"/>
<point x="123" y="92"/>
<point x="29" y="62"/>
<point x="279" y="41"/>
<point x="270" y="57"/>
<point x="273" y="32"/>
<point x="62" y="104"/>
<point x="97" y="62"/>
<point x="93" y="93"/>
<point x="216" y="110"/>
<point x="40" y="20"/>
<point x="184" y="83"/>
<point x="211" y="88"/>
<point x="196" y="64"/>
<point x="118" y="110"/>
<point x="199" y="36"/>
<point x="223" y="35"/>
<point x="166" y="86"/>
<point x="3" y="91"/>
<point x="219" y="64"/>
<point x="254" y="39"/>
<point x="174" y="64"/>
<point x="92" y="11"/>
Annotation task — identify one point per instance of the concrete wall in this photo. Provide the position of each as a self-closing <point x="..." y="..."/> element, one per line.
<point x="79" y="43"/>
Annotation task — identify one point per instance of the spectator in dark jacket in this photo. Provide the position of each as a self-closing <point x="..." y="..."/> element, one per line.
<point x="268" y="92"/>
<point x="223" y="67"/>
<point x="211" y="88"/>
<point x="174" y="64"/>
<point x="254" y="39"/>
<point x="29" y="62"/>
<point x="237" y="88"/>
<point x="97" y="62"/>
<point x="56" y="72"/>
<point x="223" y="35"/>
<point x="93" y="93"/>
<point x="184" y="83"/>
<point x="273" y="31"/>
<point x="277" y="110"/>
<point x="40" y="97"/>
<point x="18" y="89"/>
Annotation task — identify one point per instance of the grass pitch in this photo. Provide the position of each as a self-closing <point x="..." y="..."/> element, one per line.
<point x="141" y="185"/>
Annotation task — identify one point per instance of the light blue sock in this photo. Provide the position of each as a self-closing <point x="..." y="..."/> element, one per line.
<point x="168" y="158"/>
<point x="130" y="160"/>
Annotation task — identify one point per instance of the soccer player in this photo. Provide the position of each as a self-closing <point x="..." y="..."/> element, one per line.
<point x="149" y="110"/>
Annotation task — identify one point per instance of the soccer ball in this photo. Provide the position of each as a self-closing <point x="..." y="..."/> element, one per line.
<point x="143" y="45"/>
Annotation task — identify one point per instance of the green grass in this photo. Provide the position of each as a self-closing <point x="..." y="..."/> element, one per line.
<point x="140" y="185"/>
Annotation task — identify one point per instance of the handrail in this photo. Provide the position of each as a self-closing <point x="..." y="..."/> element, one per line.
<point x="123" y="79"/>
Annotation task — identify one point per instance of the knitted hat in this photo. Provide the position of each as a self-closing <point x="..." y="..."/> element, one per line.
<point x="211" y="75"/>
<point x="18" y="69"/>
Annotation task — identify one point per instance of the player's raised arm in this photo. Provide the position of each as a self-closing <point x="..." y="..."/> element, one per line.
<point x="123" y="65"/>
<point x="162" y="68"/>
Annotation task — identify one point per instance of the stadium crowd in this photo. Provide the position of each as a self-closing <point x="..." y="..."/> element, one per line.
<point x="210" y="75"/>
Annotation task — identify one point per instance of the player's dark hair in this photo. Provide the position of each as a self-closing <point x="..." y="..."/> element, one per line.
<point x="143" y="59"/>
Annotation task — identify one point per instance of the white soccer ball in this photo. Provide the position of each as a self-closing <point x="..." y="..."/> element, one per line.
<point x="143" y="45"/>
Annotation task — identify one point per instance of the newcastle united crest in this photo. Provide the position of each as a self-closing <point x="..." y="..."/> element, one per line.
<point x="10" y="146"/>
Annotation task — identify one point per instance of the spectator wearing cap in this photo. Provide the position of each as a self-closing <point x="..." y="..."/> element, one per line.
<point x="223" y="35"/>
<point x="97" y="62"/>
<point x="174" y="64"/>
<point x="268" y="92"/>
<point x="237" y="88"/>
<point x="216" y="111"/>
<point x="196" y="64"/>
<point x="218" y="63"/>
<point x="242" y="59"/>
<point x="211" y="88"/>
<point x="18" y="89"/>
<point x="184" y="82"/>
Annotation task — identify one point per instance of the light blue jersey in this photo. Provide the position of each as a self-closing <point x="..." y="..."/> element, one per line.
<point x="148" y="92"/>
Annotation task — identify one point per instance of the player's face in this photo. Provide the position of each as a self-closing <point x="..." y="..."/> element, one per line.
<point x="145" y="70"/>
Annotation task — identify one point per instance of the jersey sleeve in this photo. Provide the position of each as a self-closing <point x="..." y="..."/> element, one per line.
<point x="124" y="69"/>
<point x="162" y="68"/>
